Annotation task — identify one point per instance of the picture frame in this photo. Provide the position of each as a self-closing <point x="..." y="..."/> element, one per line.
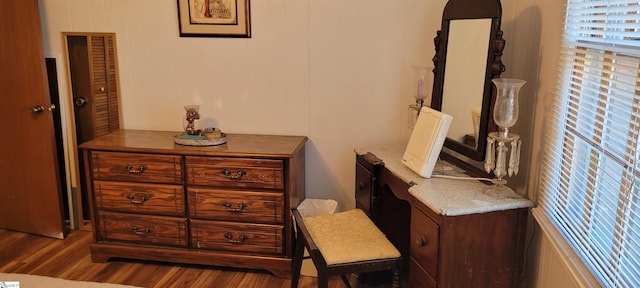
<point x="214" y="18"/>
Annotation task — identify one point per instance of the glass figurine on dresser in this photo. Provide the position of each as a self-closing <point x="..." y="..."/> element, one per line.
<point x="191" y="121"/>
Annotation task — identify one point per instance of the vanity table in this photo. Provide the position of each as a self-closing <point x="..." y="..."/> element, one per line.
<point x="225" y="205"/>
<point x="449" y="233"/>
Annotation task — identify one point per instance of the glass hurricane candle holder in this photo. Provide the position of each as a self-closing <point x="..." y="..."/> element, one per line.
<point x="421" y="84"/>
<point x="505" y="114"/>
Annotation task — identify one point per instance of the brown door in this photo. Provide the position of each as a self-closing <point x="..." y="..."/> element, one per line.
<point x="30" y="198"/>
<point x="93" y="72"/>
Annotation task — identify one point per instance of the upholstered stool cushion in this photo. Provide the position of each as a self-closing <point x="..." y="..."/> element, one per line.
<point x="349" y="236"/>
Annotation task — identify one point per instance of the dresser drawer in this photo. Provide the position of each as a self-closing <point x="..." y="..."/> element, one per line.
<point x="139" y="198"/>
<point x="235" y="172"/>
<point x="138" y="167"/>
<point x="364" y="188"/>
<point x="245" y="206"/>
<point x="142" y="229"/>
<point x="238" y="237"/>
<point x="424" y="243"/>
<point x="418" y="278"/>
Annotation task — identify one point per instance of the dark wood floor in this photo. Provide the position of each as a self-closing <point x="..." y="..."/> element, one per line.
<point x="70" y="259"/>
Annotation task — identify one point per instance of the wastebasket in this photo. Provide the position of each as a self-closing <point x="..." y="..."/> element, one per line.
<point x="317" y="207"/>
<point x="310" y="208"/>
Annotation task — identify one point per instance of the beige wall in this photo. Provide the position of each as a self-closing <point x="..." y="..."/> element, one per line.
<point x="337" y="71"/>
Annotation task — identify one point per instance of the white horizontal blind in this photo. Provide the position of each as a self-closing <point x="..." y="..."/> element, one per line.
<point x="591" y="169"/>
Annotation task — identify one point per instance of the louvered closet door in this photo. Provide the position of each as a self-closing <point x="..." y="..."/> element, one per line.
<point x="94" y="77"/>
<point x="105" y="92"/>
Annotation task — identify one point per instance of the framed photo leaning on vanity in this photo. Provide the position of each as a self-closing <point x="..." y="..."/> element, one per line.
<point x="214" y="18"/>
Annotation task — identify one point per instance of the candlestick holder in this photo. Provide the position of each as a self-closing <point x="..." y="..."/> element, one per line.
<point x="421" y="84"/>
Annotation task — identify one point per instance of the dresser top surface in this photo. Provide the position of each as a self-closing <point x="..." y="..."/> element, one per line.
<point x="449" y="197"/>
<point x="241" y="145"/>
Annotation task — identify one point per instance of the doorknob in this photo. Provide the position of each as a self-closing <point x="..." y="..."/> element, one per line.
<point x="37" y="109"/>
<point x="80" y="101"/>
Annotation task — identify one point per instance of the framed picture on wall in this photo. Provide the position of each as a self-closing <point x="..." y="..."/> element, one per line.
<point x="214" y="18"/>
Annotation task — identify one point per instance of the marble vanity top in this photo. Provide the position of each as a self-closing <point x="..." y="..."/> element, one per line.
<point x="449" y="197"/>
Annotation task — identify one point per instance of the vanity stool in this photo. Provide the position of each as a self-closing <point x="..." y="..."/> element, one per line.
<point x="343" y="243"/>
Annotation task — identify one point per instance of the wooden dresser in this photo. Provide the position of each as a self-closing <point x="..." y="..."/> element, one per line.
<point x="449" y="233"/>
<point x="226" y="205"/>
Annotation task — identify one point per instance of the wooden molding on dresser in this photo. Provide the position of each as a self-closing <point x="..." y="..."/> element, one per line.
<point x="226" y="205"/>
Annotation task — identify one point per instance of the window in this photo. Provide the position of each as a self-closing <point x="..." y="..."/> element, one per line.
<point x="591" y="169"/>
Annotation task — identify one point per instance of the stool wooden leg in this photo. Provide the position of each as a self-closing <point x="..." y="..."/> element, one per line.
<point x="396" y="278"/>
<point x="297" y="262"/>
<point x="345" y="279"/>
<point x="323" y="279"/>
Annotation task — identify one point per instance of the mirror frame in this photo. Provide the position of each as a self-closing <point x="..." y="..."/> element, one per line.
<point x="470" y="9"/>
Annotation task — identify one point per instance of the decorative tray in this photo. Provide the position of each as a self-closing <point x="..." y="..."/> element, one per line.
<point x="196" y="140"/>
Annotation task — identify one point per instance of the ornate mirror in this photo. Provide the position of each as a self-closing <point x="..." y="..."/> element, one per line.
<point x="468" y="51"/>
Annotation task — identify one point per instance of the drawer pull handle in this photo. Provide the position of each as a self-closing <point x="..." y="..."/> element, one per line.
<point x="228" y="205"/>
<point x="230" y="239"/>
<point x="140" y="169"/>
<point x="421" y="241"/>
<point x="138" y="231"/>
<point x="132" y="199"/>
<point x="238" y="175"/>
